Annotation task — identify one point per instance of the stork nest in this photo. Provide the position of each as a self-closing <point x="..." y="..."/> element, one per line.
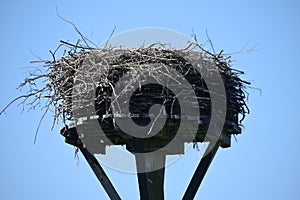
<point x="54" y="81"/>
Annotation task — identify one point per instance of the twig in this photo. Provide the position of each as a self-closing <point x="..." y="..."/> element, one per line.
<point x="244" y="50"/>
<point x="40" y="122"/>
<point x="210" y="42"/>
<point x="75" y="45"/>
<point x="85" y="39"/>
<point x="111" y="34"/>
<point x="16" y="99"/>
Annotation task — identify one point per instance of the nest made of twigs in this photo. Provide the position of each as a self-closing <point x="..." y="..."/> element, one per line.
<point x="58" y="75"/>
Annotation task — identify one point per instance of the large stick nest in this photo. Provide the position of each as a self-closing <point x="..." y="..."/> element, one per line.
<point x="57" y="78"/>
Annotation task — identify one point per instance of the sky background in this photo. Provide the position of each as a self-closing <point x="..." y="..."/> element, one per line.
<point x="263" y="164"/>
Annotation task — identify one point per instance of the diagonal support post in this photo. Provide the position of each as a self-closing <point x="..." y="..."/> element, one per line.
<point x="100" y="173"/>
<point x="71" y="137"/>
<point x="200" y="172"/>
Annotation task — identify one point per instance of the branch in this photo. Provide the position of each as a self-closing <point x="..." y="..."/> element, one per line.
<point x="85" y="39"/>
<point x="16" y="99"/>
<point x="40" y="122"/>
<point x="111" y="34"/>
<point x="210" y="42"/>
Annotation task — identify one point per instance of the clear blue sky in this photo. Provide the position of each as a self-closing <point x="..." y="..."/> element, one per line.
<point x="263" y="164"/>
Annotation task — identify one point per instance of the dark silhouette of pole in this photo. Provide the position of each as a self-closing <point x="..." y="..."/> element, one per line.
<point x="200" y="172"/>
<point x="151" y="184"/>
<point x="101" y="175"/>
